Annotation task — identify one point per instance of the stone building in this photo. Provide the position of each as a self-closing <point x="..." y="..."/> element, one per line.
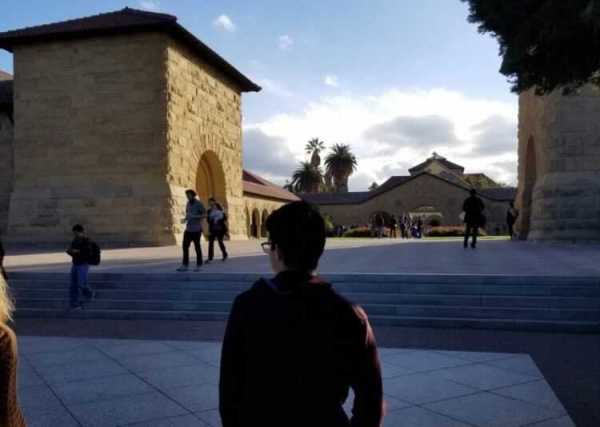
<point x="435" y="191"/>
<point x="559" y="166"/>
<point x="109" y="119"/>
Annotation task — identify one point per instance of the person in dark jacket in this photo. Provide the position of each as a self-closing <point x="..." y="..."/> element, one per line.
<point x="80" y="251"/>
<point x="473" y="208"/>
<point x="511" y="218"/>
<point x="217" y="228"/>
<point x="293" y="347"/>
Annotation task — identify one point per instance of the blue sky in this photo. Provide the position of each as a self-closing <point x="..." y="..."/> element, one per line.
<point x="396" y="79"/>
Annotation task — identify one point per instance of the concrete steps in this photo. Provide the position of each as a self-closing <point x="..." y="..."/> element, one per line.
<point x="497" y="302"/>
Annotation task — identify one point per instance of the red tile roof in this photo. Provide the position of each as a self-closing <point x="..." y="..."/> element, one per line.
<point x="5" y="76"/>
<point x="6" y="93"/>
<point x="254" y="185"/>
<point x="122" y="22"/>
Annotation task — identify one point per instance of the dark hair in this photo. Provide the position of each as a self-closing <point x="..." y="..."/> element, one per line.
<point x="78" y="228"/>
<point x="192" y="192"/>
<point x="212" y="199"/>
<point x="298" y="231"/>
<point x="473" y="192"/>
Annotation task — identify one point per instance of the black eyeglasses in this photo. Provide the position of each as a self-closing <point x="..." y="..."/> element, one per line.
<point x="266" y="247"/>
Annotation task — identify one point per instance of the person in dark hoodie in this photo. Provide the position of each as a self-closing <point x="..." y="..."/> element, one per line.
<point x="293" y="347"/>
<point x="473" y="208"/>
<point x="80" y="250"/>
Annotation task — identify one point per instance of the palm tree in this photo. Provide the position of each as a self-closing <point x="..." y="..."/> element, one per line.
<point x="307" y="178"/>
<point x="314" y="147"/>
<point x="340" y="164"/>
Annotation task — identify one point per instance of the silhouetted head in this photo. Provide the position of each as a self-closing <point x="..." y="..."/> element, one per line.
<point x="512" y="204"/>
<point x="212" y="202"/>
<point x="473" y="192"/>
<point x="190" y="194"/>
<point x="78" y="230"/>
<point x="296" y="237"/>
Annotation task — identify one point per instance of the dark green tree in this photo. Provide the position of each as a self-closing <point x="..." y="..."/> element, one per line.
<point x="340" y="163"/>
<point x="544" y="44"/>
<point x="307" y="178"/>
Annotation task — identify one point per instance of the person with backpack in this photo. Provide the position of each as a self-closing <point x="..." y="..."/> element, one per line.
<point x="217" y="228"/>
<point x="473" y="208"/>
<point x="84" y="253"/>
<point x="293" y="346"/>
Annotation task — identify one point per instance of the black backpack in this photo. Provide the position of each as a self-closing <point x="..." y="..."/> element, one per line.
<point x="94" y="254"/>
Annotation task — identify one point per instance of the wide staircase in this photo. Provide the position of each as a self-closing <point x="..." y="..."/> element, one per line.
<point x="489" y="302"/>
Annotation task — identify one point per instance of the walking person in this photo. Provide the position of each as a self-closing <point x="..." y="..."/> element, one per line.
<point x="420" y="227"/>
<point x="293" y="346"/>
<point x="10" y="411"/>
<point x="195" y="212"/>
<point x="403" y="232"/>
<point x="379" y="225"/>
<point x="473" y="208"/>
<point x="81" y="252"/>
<point x="217" y="228"/>
<point x="511" y="218"/>
<point x="393" y="226"/>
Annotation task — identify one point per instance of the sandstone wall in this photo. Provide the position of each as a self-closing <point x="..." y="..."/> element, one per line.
<point x="90" y="132"/>
<point x="204" y="116"/>
<point x="422" y="191"/>
<point x="6" y="168"/>
<point x="565" y="166"/>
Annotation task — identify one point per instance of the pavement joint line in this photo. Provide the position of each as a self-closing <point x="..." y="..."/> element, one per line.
<point x="537" y="423"/>
<point x="423" y="407"/>
<point x="148" y="383"/>
<point x="494" y="392"/>
<point x="51" y="388"/>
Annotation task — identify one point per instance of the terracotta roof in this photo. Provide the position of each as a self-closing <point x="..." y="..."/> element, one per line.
<point x="359" y="197"/>
<point x="350" y="198"/>
<point x="5" y="76"/>
<point x="122" y="22"/>
<point x="254" y="185"/>
<point x="505" y="194"/>
<point x="447" y="163"/>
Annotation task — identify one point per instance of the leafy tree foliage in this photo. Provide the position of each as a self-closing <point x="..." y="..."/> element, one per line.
<point x="544" y="44"/>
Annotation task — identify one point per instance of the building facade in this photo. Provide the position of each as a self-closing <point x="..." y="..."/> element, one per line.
<point x="435" y="191"/>
<point x="111" y="118"/>
<point x="559" y="166"/>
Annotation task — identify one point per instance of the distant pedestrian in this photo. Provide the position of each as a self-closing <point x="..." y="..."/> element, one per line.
<point x="511" y="218"/>
<point x="379" y="225"/>
<point x="217" y="228"/>
<point x="195" y="212"/>
<point x="10" y="412"/>
<point x="393" y="227"/>
<point x="293" y="346"/>
<point x="81" y="251"/>
<point x="420" y="227"/>
<point x="473" y="208"/>
<point x="403" y="232"/>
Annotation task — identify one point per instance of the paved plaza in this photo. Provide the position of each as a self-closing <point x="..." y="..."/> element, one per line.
<point x="115" y="382"/>
<point x="445" y="256"/>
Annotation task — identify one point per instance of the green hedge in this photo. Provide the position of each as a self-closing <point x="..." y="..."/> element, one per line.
<point x="358" y="232"/>
<point x="450" y="231"/>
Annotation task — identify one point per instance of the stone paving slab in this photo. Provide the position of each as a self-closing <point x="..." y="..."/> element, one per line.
<point x="175" y="383"/>
<point x="493" y="257"/>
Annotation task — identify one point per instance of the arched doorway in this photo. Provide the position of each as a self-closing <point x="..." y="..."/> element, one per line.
<point x="529" y="181"/>
<point x="210" y="179"/>
<point x="255" y="224"/>
<point x="263" y="225"/>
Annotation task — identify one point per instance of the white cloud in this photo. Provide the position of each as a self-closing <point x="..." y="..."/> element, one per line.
<point x="224" y="22"/>
<point x="275" y="88"/>
<point x="152" y="5"/>
<point x="331" y="80"/>
<point x="268" y="156"/>
<point x="285" y="42"/>
<point x="394" y="130"/>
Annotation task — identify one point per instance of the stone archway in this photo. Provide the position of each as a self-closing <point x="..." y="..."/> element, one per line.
<point x="210" y="179"/>
<point x="263" y="225"/>
<point x="255" y="224"/>
<point x="529" y="181"/>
